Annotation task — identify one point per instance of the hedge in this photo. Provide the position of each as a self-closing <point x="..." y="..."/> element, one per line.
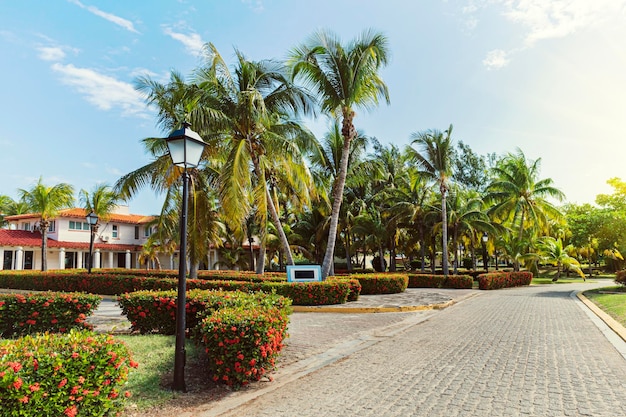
<point x="155" y="311"/>
<point x="497" y="280"/>
<point x="620" y="277"/>
<point x="381" y="283"/>
<point x="440" y="281"/>
<point x="22" y="314"/>
<point x="302" y="293"/>
<point x="79" y="373"/>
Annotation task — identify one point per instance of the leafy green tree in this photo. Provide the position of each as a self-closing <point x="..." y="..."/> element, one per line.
<point x="520" y="198"/>
<point x="259" y="103"/>
<point x="434" y="157"/>
<point x="552" y="250"/>
<point x="344" y="77"/>
<point x="47" y="202"/>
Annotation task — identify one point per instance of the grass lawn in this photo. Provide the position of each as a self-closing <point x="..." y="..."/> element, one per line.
<point x="150" y="384"/>
<point x="612" y="300"/>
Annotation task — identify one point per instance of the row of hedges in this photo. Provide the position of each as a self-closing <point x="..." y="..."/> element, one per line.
<point x="381" y="283"/>
<point x="242" y="333"/>
<point x="496" y="280"/>
<point x="302" y="293"/>
<point x="78" y="373"/>
<point x="440" y="281"/>
<point x="223" y="275"/>
<point x="22" y="314"/>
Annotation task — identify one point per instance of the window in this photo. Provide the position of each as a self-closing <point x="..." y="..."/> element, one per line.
<point x="51" y="226"/>
<point x="78" y="225"/>
<point x="114" y="232"/>
<point x="147" y="231"/>
<point x="136" y="232"/>
<point x="25" y="226"/>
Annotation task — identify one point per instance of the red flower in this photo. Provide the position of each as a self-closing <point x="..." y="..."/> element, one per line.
<point x="18" y="383"/>
<point x="24" y="399"/>
<point x="71" y="411"/>
<point x="62" y="383"/>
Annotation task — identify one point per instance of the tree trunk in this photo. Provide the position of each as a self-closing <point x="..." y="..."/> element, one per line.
<point x="43" y="225"/>
<point x="423" y="252"/>
<point x="348" y="132"/>
<point x="444" y="231"/>
<point x="348" y="256"/>
<point x="260" y="265"/>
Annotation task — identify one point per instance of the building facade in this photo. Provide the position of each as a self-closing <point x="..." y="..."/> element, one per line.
<point x="117" y="243"/>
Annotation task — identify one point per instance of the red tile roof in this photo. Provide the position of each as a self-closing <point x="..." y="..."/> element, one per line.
<point x="33" y="239"/>
<point x="81" y="213"/>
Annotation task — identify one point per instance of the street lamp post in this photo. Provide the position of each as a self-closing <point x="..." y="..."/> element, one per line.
<point x="485" y="239"/>
<point x="92" y="219"/>
<point x="185" y="147"/>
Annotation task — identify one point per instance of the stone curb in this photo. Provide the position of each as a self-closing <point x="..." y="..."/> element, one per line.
<point x="357" y="310"/>
<point x="608" y="320"/>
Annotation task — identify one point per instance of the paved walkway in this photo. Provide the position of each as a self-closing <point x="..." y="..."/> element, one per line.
<point x="534" y="351"/>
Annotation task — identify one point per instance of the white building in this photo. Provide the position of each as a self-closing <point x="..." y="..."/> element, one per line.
<point x="117" y="244"/>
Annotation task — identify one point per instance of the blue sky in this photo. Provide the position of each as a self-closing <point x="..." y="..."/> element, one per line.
<point x="547" y="76"/>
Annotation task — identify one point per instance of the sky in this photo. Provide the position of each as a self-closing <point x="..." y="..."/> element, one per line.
<point x="545" y="76"/>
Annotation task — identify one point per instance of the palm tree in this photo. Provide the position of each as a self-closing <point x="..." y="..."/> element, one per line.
<point x="434" y="157"/>
<point x="102" y="201"/>
<point x="258" y="103"/>
<point x="344" y="77"/>
<point x="47" y="201"/>
<point x="519" y="197"/>
<point x="552" y="250"/>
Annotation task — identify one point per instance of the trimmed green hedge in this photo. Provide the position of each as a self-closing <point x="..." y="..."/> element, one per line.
<point x="22" y="314"/>
<point x="302" y="293"/>
<point x="381" y="283"/>
<point x="79" y="373"/>
<point x="497" y="280"/>
<point x="440" y="281"/>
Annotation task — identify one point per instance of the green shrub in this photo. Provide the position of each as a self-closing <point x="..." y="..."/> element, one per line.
<point x="155" y="311"/>
<point x="79" y="373"/>
<point x="354" y="286"/>
<point x="22" y="314"/>
<point x="496" y="280"/>
<point x="425" y="281"/>
<point x="440" y="281"/>
<point x="382" y="283"/>
<point x="243" y="343"/>
<point x="620" y="277"/>
<point x="302" y="293"/>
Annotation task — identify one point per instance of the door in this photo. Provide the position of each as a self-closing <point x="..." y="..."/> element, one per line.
<point x="28" y="259"/>
<point x="7" y="261"/>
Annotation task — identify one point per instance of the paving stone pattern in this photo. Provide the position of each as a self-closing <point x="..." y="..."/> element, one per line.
<point x="516" y="352"/>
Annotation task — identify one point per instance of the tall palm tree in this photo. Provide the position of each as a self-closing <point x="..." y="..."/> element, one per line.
<point x="101" y="201"/>
<point x="47" y="202"/>
<point x="434" y="157"/>
<point x="520" y="197"/>
<point x="259" y="103"/>
<point x="344" y="77"/>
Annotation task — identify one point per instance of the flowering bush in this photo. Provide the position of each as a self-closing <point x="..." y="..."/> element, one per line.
<point x="22" y="314"/>
<point x="440" y="281"/>
<point x="155" y="311"/>
<point x="496" y="280"/>
<point x="79" y="373"/>
<point x="243" y="343"/>
<point x="302" y="293"/>
<point x="355" y="286"/>
<point x="382" y="283"/>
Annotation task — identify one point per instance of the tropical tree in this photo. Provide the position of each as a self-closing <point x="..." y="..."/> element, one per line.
<point x="552" y="250"/>
<point x="519" y="197"/>
<point x="434" y="156"/>
<point x="344" y="77"/>
<point x="47" y="202"/>
<point x="101" y="201"/>
<point x="259" y="103"/>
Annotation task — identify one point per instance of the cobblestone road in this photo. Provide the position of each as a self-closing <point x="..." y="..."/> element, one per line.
<point x="517" y="352"/>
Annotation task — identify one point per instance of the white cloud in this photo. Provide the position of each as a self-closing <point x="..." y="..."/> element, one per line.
<point x="120" y="21"/>
<point x="496" y="59"/>
<point x="255" y="5"/>
<point x="51" y="53"/>
<point x="193" y="42"/>
<point x="103" y="91"/>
